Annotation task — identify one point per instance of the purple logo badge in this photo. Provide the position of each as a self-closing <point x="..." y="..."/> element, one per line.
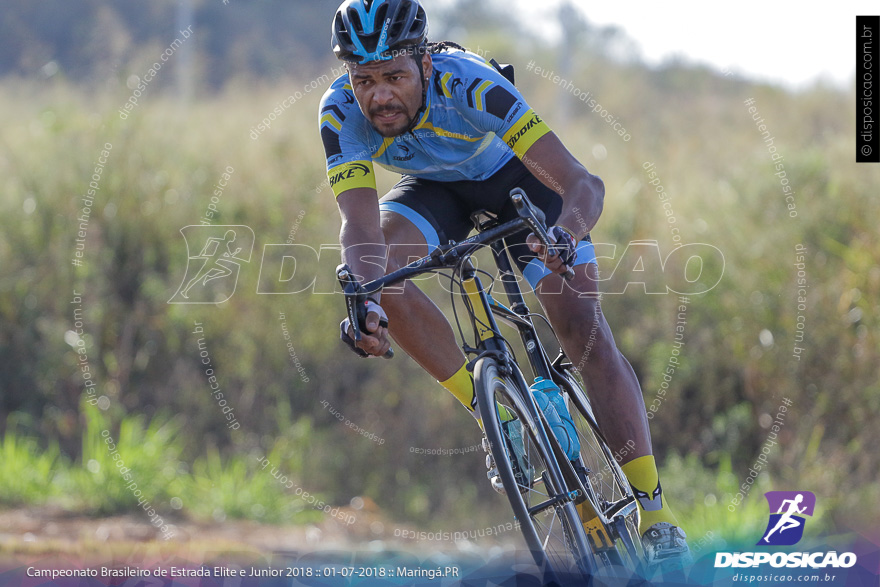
<point x="787" y="511"/>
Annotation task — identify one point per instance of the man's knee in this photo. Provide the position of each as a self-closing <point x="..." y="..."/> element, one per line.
<point x="589" y="328"/>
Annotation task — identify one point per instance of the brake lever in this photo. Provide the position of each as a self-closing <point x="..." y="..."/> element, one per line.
<point x="355" y="304"/>
<point x="536" y="221"/>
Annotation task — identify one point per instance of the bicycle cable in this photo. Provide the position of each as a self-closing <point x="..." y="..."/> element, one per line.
<point x="473" y="316"/>
<point x="471" y="311"/>
<point x="452" y="282"/>
<point x="550" y="326"/>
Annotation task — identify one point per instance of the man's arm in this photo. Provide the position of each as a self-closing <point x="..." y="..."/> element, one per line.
<point x="361" y="237"/>
<point x="583" y="194"/>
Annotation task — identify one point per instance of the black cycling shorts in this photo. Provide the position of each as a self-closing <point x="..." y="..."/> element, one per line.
<point x="441" y="210"/>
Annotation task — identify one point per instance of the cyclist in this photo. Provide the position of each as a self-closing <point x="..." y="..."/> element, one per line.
<point x="462" y="136"/>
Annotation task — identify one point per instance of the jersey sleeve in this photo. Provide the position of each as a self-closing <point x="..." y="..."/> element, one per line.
<point x="349" y="164"/>
<point x="492" y="104"/>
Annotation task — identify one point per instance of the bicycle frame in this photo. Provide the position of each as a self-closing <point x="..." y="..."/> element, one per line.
<point x="484" y="308"/>
<point x="518" y="316"/>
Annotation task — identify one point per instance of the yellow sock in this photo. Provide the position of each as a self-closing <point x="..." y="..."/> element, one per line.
<point x="645" y="481"/>
<point x="461" y="385"/>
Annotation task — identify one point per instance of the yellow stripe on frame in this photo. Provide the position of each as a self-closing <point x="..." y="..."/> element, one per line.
<point x="481" y="319"/>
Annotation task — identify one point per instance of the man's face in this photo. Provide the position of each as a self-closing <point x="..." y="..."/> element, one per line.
<point x="389" y="92"/>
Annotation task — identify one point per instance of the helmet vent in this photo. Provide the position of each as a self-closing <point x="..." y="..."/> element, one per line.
<point x="420" y="22"/>
<point x="355" y="20"/>
<point x="381" y="14"/>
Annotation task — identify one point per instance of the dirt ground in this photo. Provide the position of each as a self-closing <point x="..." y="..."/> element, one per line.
<point x="34" y="533"/>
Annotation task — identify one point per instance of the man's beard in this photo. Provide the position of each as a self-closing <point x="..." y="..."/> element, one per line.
<point x="391" y="131"/>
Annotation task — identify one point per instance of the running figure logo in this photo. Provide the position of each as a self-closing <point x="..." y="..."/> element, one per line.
<point x="786" y="525"/>
<point x="212" y="274"/>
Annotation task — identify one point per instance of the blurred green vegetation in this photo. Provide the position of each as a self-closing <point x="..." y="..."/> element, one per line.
<point x="736" y="366"/>
<point x="151" y="456"/>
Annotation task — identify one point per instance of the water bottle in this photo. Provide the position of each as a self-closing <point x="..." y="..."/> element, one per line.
<point x="551" y="402"/>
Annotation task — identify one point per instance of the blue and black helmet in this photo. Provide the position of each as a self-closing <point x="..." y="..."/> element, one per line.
<point x="371" y="30"/>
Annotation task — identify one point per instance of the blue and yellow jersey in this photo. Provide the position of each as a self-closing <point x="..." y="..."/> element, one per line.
<point x="474" y="123"/>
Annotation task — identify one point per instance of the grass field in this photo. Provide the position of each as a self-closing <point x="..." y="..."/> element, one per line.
<point x="164" y="164"/>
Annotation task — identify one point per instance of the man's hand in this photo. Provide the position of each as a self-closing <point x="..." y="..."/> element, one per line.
<point x="375" y="344"/>
<point x="564" y="253"/>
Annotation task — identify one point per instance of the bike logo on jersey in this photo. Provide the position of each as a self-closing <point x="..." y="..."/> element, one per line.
<point x="212" y="274"/>
<point x="406" y="156"/>
<point x="350" y="171"/>
<point x="786" y="525"/>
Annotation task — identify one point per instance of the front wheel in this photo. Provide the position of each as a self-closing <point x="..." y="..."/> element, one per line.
<point x="530" y="474"/>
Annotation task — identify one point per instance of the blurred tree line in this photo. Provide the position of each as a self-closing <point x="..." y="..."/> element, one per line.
<point x="167" y="157"/>
<point x="92" y="40"/>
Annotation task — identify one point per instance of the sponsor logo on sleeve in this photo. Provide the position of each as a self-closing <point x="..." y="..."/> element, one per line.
<point x="514" y="113"/>
<point x="535" y="120"/>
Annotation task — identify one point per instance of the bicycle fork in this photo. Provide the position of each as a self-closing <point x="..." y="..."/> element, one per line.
<point x="483" y="308"/>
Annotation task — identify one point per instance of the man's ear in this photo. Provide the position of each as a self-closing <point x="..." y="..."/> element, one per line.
<point x="427" y="65"/>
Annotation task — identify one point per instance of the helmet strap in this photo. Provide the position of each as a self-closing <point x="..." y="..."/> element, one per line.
<point x="415" y="119"/>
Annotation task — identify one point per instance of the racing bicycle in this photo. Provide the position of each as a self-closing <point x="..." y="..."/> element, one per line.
<point x="578" y="516"/>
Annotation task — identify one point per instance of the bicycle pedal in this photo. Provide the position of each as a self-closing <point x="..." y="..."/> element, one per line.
<point x="492" y="473"/>
<point x="495" y="478"/>
<point x="497" y="484"/>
